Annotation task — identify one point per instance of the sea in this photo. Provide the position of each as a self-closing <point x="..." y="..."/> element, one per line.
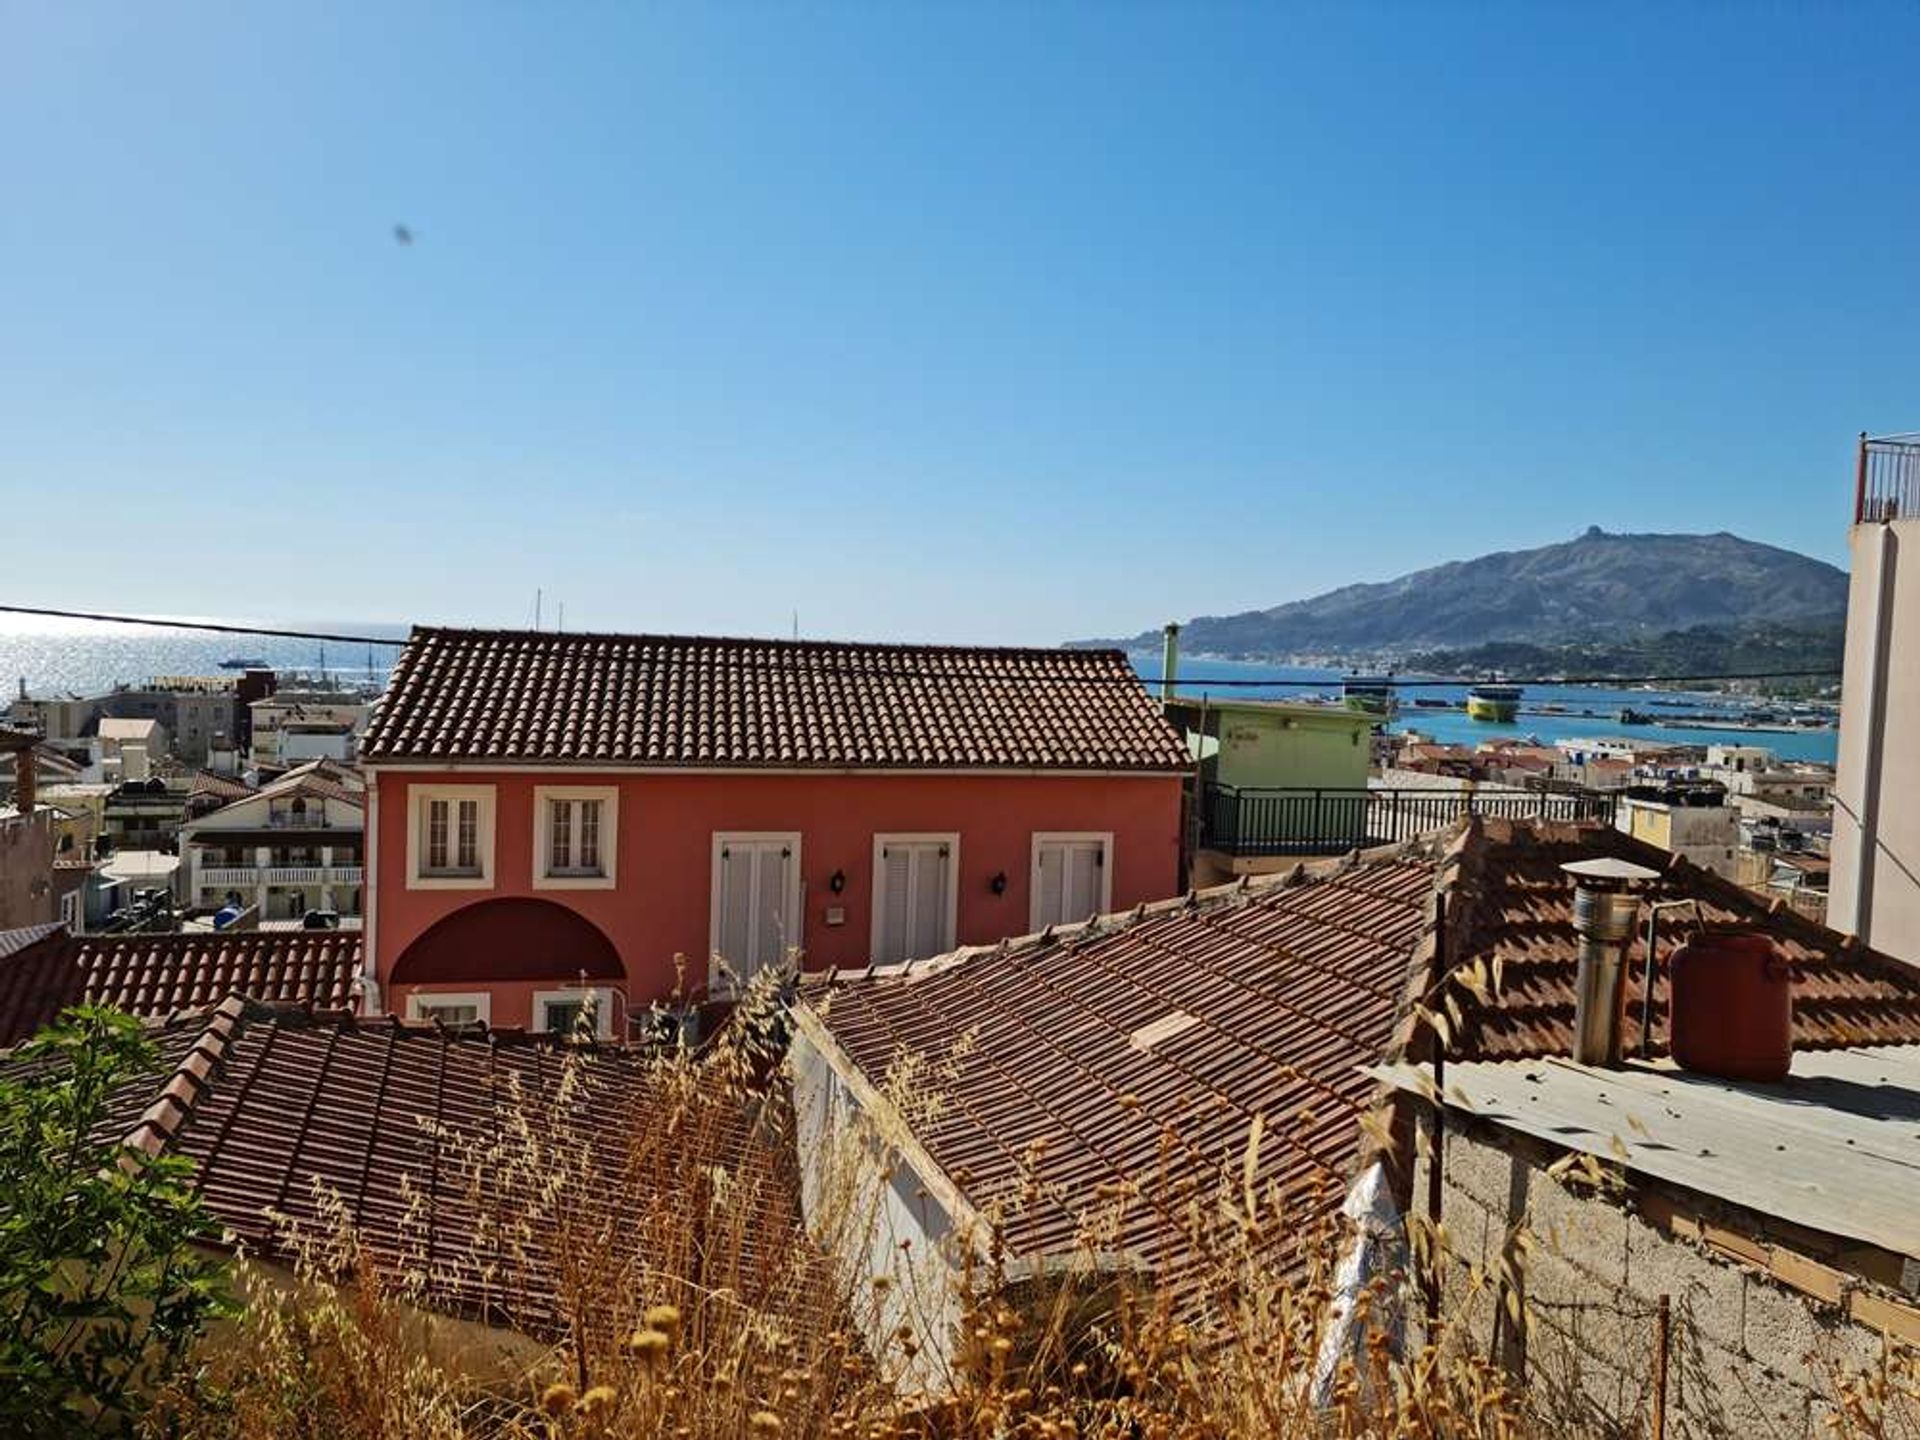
<point x="84" y="657"/>
<point x="57" y="658"/>
<point x="1451" y="725"/>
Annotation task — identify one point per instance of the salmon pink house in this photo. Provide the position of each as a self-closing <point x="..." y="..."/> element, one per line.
<point x="552" y="816"/>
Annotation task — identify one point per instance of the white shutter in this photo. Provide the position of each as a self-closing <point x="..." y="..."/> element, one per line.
<point x="754" y="910"/>
<point x="1049" y="899"/>
<point x="772" y="872"/>
<point x="1083" y="880"/>
<point x="736" y="907"/>
<point x="896" y="901"/>
<point x="930" y="901"/>
<point x="1069" y="882"/>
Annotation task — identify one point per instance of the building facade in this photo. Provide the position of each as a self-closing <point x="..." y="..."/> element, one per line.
<point x="643" y="816"/>
<point x="1875" y="890"/>
<point x="297" y="845"/>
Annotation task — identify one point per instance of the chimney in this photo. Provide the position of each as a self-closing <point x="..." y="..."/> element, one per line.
<point x="1604" y="905"/>
<point x="1169" y="659"/>
<point x="26" y="793"/>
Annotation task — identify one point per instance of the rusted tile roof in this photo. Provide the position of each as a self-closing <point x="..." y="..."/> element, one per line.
<point x="1139" y="1051"/>
<point x="156" y="975"/>
<point x="1511" y="901"/>
<point x="282" y="1109"/>
<point x="678" y="700"/>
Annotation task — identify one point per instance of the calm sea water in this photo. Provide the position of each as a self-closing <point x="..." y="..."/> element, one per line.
<point x="59" y="657"/>
<point x="1454" y="726"/>
<point x="84" y="657"/>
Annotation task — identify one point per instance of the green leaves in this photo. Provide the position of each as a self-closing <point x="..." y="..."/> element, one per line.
<point x="102" y="1285"/>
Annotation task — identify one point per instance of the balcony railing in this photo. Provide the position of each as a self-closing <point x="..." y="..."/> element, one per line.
<point x="1250" y="823"/>
<point x="1888" y="487"/>
<point x="245" y="877"/>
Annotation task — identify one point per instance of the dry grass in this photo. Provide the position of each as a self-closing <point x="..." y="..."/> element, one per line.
<point x="667" y="1289"/>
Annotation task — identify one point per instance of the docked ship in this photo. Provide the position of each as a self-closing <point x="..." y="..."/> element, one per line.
<point x="1497" y="703"/>
<point x="1369" y="694"/>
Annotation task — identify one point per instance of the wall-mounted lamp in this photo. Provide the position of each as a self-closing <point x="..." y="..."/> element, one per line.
<point x="838" y="882"/>
<point x="999" y="882"/>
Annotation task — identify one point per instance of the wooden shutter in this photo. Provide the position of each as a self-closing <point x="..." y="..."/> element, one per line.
<point x="1083" y="874"/>
<point x="1071" y="881"/>
<point x="896" y="900"/>
<point x="756" y="919"/>
<point x="930" y="901"/>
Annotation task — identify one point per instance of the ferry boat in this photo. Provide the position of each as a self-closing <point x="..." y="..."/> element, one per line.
<point x="243" y="662"/>
<point x="1369" y="694"/>
<point x="1497" y="703"/>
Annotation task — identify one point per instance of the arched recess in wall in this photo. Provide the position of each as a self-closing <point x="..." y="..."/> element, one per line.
<point x="509" y="939"/>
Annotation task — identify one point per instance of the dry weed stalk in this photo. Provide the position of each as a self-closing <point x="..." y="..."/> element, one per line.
<point x="674" y="1293"/>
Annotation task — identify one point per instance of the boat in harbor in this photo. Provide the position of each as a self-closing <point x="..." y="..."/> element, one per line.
<point x="1496" y="703"/>
<point x="1369" y="694"/>
<point x="243" y="662"/>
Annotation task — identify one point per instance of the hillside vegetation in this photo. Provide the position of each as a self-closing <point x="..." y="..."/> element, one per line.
<point x="1621" y="590"/>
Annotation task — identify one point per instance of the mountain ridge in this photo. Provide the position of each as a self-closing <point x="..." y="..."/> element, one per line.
<point x="1597" y="586"/>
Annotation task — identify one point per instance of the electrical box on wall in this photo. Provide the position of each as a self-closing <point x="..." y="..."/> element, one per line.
<point x="836" y="915"/>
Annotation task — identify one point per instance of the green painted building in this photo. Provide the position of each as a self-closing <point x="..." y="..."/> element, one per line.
<point x="1272" y="745"/>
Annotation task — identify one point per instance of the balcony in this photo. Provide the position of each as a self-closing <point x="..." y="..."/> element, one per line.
<point x="247" y="877"/>
<point x="1246" y="823"/>
<point x="1888" y="485"/>
<point x="305" y="820"/>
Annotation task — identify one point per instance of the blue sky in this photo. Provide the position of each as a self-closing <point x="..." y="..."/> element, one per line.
<point x="992" y="322"/>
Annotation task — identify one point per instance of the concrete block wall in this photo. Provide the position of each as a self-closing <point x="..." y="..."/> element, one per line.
<point x="1747" y="1354"/>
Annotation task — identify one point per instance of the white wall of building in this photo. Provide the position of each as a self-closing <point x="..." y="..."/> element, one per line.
<point x="1875" y="891"/>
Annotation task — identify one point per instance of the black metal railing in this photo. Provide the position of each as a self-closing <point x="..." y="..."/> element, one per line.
<point x="1246" y="822"/>
<point x="1888" y="485"/>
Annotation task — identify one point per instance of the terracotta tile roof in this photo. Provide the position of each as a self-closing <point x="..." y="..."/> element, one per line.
<point x="223" y="788"/>
<point x="676" y="700"/>
<point x="158" y="975"/>
<point x="324" y="778"/>
<point x="1139" y="1050"/>
<point x="277" y="1105"/>
<point x="1511" y="901"/>
<point x="1291" y="986"/>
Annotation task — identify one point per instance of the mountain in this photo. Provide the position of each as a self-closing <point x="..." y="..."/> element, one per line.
<point x="1599" y="586"/>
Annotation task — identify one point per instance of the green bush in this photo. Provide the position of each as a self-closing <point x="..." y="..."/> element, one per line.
<point x="103" y="1286"/>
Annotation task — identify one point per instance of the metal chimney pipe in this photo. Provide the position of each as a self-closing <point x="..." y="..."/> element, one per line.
<point x="1604" y="907"/>
<point x="1169" y="659"/>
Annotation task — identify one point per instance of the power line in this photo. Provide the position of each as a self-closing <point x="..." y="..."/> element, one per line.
<point x="222" y="629"/>
<point x="903" y="672"/>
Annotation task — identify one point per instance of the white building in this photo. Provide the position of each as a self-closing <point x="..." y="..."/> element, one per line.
<point x="1875" y="889"/>
<point x="293" y="847"/>
<point x="291" y="728"/>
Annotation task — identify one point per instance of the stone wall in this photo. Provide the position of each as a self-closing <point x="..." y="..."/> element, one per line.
<point x="1749" y="1353"/>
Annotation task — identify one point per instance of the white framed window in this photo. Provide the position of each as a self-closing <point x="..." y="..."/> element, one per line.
<point x="558" y="1012"/>
<point x="1072" y="876"/>
<point x="575" y="836"/>
<point x="463" y="1009"/>
<point x="755" y="911"/>
<point x="915" y="895"/>
<point x="450" y="837"/>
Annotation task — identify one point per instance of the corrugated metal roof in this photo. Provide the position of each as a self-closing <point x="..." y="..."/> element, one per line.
<point x="1835" y="1147"/>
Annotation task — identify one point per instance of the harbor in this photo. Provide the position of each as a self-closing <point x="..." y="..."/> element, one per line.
<point x="1545" y="711"/>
